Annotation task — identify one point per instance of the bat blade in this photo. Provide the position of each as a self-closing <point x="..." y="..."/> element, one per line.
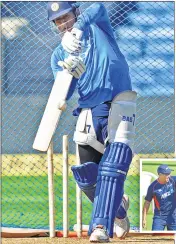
<point x="52" y="113"/>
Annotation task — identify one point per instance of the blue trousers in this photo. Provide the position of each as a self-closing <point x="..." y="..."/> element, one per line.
<point x="160" y="223"/>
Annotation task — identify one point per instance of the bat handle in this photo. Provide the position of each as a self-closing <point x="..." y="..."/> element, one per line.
<point x="77" y="33"/>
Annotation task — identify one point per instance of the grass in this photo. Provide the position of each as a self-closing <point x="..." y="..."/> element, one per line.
<point x="25" y="202"/>
<point x="152" y="166"/>
<point x="25" y="191"/>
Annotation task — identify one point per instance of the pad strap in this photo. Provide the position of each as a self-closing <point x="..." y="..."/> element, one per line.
<point x="87" y="139"/>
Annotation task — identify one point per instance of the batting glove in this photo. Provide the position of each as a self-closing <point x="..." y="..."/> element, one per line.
<point x="74" y="65"/>
<point x="71" y="42"/>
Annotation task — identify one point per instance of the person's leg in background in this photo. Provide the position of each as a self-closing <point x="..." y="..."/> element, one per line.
<point x="158" y="224"/>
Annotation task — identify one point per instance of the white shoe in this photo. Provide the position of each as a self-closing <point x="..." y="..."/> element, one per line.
<point x="122" y="226"/>
<point x="99" y="235"/>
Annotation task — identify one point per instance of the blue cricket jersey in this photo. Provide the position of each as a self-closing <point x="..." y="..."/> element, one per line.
<point x="107" y="72"/>
<point x="164" y="196"/>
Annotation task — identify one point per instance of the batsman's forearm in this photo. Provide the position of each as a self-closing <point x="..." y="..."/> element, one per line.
<point x="145" y="209"/>
<point x="144" y="214"/>
<point x="90" y="15"/>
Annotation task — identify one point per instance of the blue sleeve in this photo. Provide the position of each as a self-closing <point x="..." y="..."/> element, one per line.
<point x="95" y="14"/>
<point x="149" y="195"/>
<point x="174" y="178"/>
<point x="55" y="68"/>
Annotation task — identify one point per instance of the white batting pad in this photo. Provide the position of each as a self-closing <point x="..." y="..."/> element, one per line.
<point x="122" y="118"/>
<point x="85" y="132"/>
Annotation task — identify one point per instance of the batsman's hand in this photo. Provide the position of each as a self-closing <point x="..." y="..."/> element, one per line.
<point x="74" y="65"/>
<point x="144" y="223"/>
<point x="71" y="41"/>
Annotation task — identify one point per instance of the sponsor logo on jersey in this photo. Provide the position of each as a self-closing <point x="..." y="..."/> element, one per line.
<point x="167" y="194"/>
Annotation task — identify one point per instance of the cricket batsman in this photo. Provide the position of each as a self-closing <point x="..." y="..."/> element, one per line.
<point x="106" y="113"/>
<point x="163" y="191"/>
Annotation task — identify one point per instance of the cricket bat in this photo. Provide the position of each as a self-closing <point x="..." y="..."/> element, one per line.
<point x="52" y="112"/>
<point x="54" y="107"/>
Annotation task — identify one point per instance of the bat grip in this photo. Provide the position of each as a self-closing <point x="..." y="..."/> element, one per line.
<point x="77" y="33"/>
